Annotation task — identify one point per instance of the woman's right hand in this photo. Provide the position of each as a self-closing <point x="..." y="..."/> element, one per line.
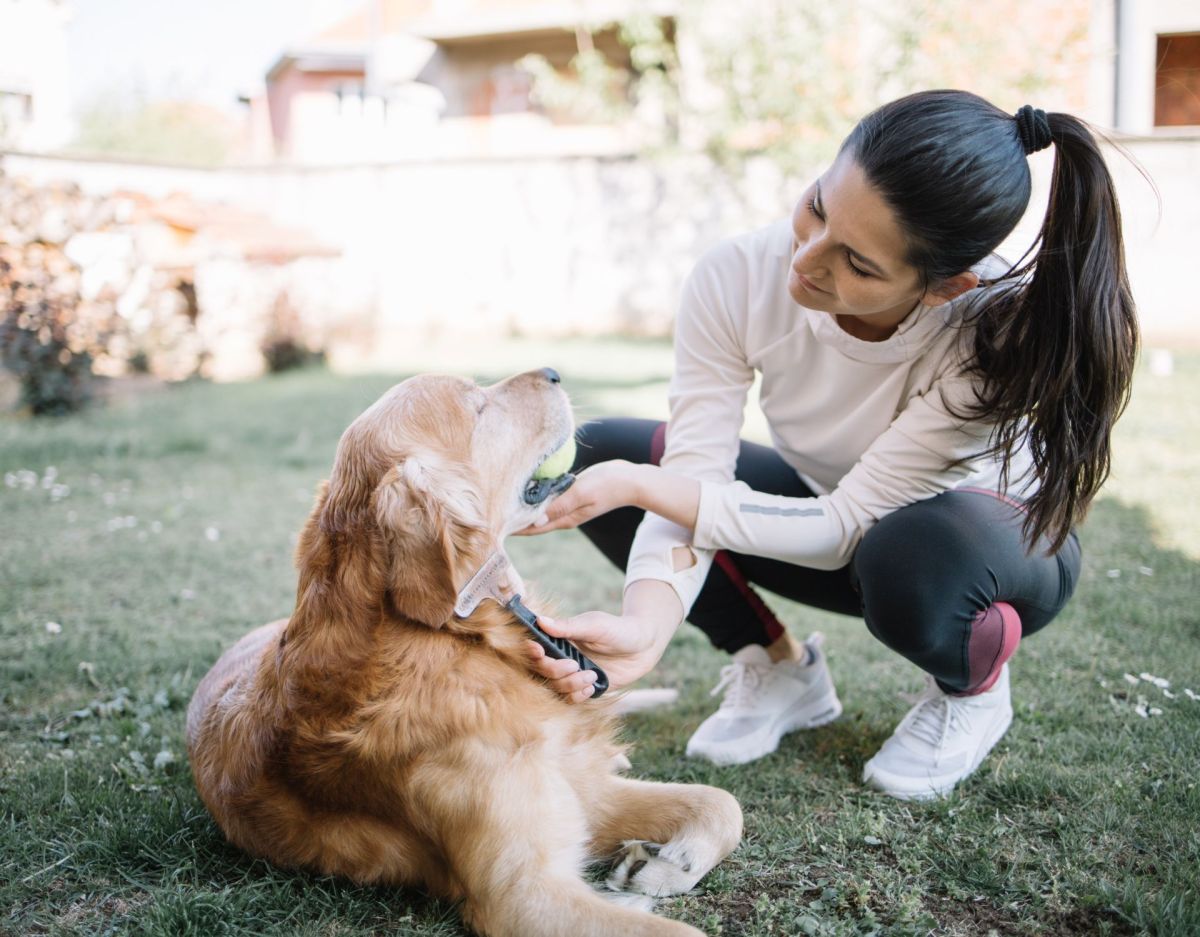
<point x="625" y="647"/>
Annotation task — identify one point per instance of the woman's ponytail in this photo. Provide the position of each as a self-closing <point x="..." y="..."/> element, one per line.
<point x="1056" y="357"/>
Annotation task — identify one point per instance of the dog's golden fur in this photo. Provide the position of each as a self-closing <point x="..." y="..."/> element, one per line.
<point x="375" y="735"/>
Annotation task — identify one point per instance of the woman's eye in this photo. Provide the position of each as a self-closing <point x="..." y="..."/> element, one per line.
<point x="812" y="207"/>
<point x="856" y="271"/>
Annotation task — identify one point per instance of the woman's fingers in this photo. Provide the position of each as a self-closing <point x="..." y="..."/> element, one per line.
<point x="591" y="628"/>
<point x="578" y="686"/>
<point x="558" y="669"/>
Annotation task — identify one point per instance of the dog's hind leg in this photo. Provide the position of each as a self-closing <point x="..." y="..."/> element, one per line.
<point x="549" y="905"/>
<point x="518" y="857"/>
<point x="665" y="837"/>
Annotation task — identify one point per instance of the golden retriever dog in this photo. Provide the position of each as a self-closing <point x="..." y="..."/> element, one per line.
<point x="377" y="736"/>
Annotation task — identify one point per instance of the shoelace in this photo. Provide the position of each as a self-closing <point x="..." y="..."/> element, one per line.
<point x="935" y="717"/>
<point x="742" y="681"/>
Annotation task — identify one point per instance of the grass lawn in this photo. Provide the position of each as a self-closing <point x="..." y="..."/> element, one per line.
<point x="170" y="533"/>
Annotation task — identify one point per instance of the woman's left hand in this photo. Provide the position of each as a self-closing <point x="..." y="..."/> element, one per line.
<point x="598" y="489"/>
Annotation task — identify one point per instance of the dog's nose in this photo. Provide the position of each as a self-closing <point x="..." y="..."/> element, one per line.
<point x="551" y="375"/>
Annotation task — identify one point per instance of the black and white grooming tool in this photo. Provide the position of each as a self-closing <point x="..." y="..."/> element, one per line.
<point x="493" y="580"/>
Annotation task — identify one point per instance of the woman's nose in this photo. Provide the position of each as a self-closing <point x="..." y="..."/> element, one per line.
<point x="806" y="259"/>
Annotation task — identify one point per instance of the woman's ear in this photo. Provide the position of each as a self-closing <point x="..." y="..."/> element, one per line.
<point x="950" y="288"/>
<point x="429" y="518"/>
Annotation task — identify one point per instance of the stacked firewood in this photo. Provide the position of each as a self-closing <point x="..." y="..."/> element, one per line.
<point x="78" y="298"/>
<point x="172" y="287"/>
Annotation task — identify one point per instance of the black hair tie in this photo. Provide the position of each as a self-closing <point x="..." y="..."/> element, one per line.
<point x="1033" y="127"/>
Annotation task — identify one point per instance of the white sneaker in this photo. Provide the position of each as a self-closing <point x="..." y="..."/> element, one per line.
<point x="764" y="701"/>
<point x="942" y="740"/>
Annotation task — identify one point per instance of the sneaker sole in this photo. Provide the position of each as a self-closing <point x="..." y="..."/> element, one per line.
<point x="771" y="738"/>
<point x="903" y="788"/>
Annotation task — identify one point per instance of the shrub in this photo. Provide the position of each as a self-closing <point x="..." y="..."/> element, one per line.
<point x="42" y="342"/>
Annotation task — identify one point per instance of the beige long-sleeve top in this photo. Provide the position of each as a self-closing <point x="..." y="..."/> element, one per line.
<point x="868" y="425"/>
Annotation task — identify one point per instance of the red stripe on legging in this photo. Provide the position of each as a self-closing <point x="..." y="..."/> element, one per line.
<point x="772" y="624"/>
<point x="1012" y="502"/>
<point x="774" y="628"/>
<point x="658" y="444"/>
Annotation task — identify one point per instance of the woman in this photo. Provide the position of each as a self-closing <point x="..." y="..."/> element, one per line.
<point x="940" y="423"/>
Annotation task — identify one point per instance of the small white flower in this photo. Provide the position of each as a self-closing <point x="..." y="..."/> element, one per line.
<point x="211" y="534"/>
<point x="1155" y="711"/>
<point x="1145" y="571"/>
<point x="1157" y="681"/>
<point x="1113" y="574"/>
<point x="187" y="594"/>
<point x="58" y="492"/>
<point x="1190" y="695"/>
<point x="1130" y="678"/>
<point x="1168" y="694"/>
<point x="53" y="627"/>
<point x="162" y="759"/>
<point x="10" y="480"/>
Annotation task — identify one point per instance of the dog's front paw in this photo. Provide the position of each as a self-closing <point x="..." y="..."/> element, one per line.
<point x="652" y="869"/>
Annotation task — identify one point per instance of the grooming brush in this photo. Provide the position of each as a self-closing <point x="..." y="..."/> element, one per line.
<point x="486" y="584"/>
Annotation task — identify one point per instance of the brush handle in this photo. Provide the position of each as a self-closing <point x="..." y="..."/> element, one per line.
<point x="558" y="648"/>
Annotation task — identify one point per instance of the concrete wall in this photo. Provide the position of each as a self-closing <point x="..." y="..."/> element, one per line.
<point x="589" y="246"/>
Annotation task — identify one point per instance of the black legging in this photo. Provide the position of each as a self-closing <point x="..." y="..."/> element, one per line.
<point x="937" y="581"/>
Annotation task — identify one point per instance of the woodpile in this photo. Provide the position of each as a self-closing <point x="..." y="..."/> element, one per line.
<point x="172" y="287"/>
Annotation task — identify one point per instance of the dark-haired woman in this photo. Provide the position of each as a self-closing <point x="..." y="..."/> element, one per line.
<point x="940" y="423"/>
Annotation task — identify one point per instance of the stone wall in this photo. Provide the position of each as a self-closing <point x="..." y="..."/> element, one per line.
<point x="584" y="246"/>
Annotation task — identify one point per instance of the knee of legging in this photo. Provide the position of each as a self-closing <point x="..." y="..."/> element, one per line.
<point x="910" y="593"/>
<point x="912" y="635"/>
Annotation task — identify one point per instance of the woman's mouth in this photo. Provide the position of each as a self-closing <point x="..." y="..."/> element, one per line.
<point x="807" y="283"/>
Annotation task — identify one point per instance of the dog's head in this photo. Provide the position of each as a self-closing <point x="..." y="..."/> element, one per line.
<point x="426" y="483"/>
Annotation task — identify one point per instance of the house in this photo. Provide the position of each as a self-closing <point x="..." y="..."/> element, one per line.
<point x="1156" y="71"/>
<point x="35" y="107"/>
<point x="412" y="78"/>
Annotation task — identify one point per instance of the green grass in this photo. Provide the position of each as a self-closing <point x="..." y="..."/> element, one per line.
<point x="176" y="537"/>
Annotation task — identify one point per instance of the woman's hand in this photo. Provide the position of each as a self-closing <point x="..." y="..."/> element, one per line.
<point x="624" y="647"/>
<point x="598" y="489"/>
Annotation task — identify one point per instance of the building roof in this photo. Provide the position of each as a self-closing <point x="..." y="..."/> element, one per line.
<point x="345" y="46"/>
<point x="451" y="20"/>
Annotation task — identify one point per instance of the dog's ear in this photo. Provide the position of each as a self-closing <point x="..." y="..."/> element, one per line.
<point x="429" y="515"/>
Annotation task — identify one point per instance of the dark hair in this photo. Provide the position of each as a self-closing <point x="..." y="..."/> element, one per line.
<point x="1055" y="354"/>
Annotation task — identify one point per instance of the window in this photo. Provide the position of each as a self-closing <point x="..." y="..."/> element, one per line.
<point x="1177" y="81"/>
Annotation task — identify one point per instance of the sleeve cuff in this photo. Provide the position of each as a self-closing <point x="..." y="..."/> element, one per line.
<point x="651" y="558"/>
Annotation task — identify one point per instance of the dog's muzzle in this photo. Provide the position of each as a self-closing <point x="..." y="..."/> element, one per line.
<point x="538" y="490"/>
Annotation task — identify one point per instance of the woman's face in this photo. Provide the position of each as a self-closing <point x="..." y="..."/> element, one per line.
<point x="848" y="251"/>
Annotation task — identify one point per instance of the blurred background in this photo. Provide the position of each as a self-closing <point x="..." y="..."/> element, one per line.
<point x="194" y="196"/>
<point x="229" y="188"/>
